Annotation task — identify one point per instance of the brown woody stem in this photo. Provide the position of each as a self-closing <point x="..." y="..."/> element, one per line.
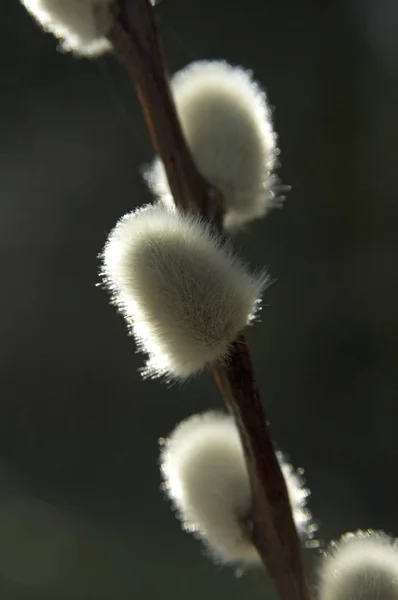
<point x="136" y="41"/>
<point x="275" y="534"/>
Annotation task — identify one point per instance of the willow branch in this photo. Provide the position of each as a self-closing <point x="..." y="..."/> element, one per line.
<point x="136" y="41"/>
<point x="274" y="531"/>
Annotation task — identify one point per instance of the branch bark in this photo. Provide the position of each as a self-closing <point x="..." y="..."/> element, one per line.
<point x="136" y="41"/>
<point x="274" y="531"/>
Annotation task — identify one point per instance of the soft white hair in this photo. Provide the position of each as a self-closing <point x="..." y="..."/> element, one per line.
<point x="227" y="124"/>
<point x="80" y="25"/>
<point x="183" y="292"/>
<point x="298" y="496"/>
<point x="205" y="476"/>
<point x="360" y="566"/>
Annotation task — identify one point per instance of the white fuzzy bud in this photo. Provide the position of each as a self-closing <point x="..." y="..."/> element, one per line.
<point x="360" y="566"/>
<point x="227" y="124"/>
<point x="183" y="292"/>
<point x="80" y="25"/>
<point x="205" y="476"/>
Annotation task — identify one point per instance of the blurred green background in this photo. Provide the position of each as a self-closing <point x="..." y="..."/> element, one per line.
<point x="81" y="513"/>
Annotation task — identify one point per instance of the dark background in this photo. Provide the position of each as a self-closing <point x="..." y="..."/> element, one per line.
<point x="81" y="513"/>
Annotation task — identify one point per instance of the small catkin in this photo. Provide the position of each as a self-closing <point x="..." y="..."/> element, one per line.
<point x="360" y="566"/>
<point x="80" y="25"/>
<point x="185" y="295"/>
<point x="228" y="127"/>
<point x="205" y="476"/>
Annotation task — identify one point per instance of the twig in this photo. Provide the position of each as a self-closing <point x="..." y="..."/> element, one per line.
<point x="274" y="530"/>
<point x="134" y="37"/>
<point x="137" y="43"/>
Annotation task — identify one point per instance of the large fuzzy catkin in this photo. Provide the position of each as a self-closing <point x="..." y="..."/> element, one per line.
<point x="228" y="127"/>
<point x="183" y="292"/>
<point x="80" y="25"/>
<point x="205" y="476"/>
<point x="360" y="566"/>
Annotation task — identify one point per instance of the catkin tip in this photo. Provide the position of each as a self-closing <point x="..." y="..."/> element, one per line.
<point x="360" y="566"/>
<point x="80" y="25"/>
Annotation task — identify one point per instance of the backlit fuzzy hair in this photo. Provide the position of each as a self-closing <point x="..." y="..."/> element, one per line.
<point x="184" y="293"/>
<point x="205" y="476"/>
<point x="360" y="566"/>
<point x="228" y="127"/>
<point x="80" y="25"/>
